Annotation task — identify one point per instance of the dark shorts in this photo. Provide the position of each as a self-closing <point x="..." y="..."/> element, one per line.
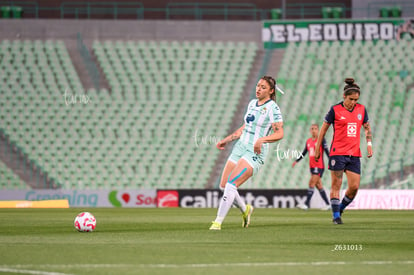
<point x="317" y="171"/>
<point x="346" y="163"/>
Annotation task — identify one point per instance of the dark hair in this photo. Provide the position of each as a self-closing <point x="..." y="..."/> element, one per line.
<point x="272" y="83"/>
<point x="351" y="87"/>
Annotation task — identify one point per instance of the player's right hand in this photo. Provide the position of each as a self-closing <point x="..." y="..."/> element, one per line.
<point x="220" y="145"/>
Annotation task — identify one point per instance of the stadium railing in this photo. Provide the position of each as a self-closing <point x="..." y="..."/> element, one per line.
<point x="112" y="9"/>
<point x="190" y="10"/>
<point x="200" y="10"/>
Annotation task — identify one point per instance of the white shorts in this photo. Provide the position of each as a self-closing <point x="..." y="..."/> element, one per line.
<point x="241" y="151"/>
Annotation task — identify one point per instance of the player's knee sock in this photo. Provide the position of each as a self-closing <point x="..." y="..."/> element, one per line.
<point x="226" y="202"/>
<point x="345" y="202"/>
<point x="238" y="201"/>
<point x="324" y="196"/>
<point x="335" y="208"/>
<point x="309" y="195"/>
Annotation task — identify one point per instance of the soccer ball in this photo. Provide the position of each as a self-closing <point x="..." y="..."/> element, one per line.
<point x="85" y="222"/>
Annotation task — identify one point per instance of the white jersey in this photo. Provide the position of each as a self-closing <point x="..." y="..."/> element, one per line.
<point x="258" y="121"/>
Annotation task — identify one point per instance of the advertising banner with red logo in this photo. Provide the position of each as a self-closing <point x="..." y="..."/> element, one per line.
<point x="87" y="198"/>
<point x="167" y="198"/>
<point x="210" y="198"/>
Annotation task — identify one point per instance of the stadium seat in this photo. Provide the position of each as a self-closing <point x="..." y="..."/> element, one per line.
<point x="323" y="66"/>
<point x="9" y="180"/>
<point x="141" y="133"/>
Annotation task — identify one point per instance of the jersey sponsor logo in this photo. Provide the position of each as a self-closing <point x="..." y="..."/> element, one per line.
<point x="342" y="118"/>
<point x="250" y="118"/>
<point x="352" y="129"/>
<point x="312" y="152"/>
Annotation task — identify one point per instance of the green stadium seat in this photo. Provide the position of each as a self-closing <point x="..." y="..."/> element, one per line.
<point x="337" y="12"/>
<point x="385" y="12"/>
<point x="395" y="11"/>
<point x="326" y="12"/>
<point x="275" y="14"/>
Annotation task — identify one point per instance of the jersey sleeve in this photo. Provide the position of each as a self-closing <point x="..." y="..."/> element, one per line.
<point x="366" y="118"/>
<point x="330" y="116"/>
<point x="303" y="154"/>
<point x="275" y="114"/>
<point x="250" y="104"/>
<point x="325" y="147"/>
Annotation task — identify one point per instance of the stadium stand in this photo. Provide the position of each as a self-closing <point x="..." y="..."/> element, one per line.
<point x="169" y="101"/>
<point x="314" y="73"/>
<point x="9" y="180"/>
<point x="154" y="128"/>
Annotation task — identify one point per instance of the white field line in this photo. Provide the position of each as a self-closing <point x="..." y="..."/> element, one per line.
<point x="25" y="271"/>
<point x="327" y="263"/>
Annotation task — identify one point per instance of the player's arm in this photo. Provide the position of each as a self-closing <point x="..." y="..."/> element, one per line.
<point x="321" y="136"/>
<point x="236" y="135"/>
<point x="277" y="135"/>
<point x="368" y="135"/>
<point x="304" y="152"/>
<point x="325" y="147"/>
<point x="398" y="36"/>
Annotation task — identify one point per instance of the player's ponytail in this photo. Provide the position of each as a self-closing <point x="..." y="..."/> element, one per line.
<point x="351" y="87"/>
<point x="272" y="83"/>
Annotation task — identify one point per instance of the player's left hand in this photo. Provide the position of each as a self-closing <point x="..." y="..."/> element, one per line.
<point x="258" y="146"/>
<point x="369" y="149"/>
<point x="317" y="155"/>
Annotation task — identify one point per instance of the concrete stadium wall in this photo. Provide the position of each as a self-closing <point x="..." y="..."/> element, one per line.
<point x="131" y="29"/>
<point x="156" y="9"/>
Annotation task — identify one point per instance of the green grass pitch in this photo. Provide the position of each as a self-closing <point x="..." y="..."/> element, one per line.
<point x="177" y="241"/>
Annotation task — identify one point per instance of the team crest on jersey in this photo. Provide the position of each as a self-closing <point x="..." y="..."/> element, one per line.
<point x="263" y="111"/>
<point x="258" y="159"/>
<point x="250" y="118"/>
<point x="359" y="116"/>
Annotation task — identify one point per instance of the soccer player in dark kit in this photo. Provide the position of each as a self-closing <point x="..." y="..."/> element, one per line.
<point x="347" y="118"/>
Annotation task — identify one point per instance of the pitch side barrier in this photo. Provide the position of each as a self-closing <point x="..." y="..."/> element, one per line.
<point x="277" y="34"/>
<point x="203" y="198"/>
<point x="284" y="198"/>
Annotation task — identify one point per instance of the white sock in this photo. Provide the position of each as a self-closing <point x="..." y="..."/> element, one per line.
<point x="238" y="201"/>
<point x="226" y="202"/>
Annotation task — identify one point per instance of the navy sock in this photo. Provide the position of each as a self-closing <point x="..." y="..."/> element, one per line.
<point x="335" y="208"/>
<point x="309" y="195"/>
<point x="323" y="195"/>
<point x="345" y="202"/>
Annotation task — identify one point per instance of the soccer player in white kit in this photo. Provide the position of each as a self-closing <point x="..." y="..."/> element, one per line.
<point x="250" y="151"/>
